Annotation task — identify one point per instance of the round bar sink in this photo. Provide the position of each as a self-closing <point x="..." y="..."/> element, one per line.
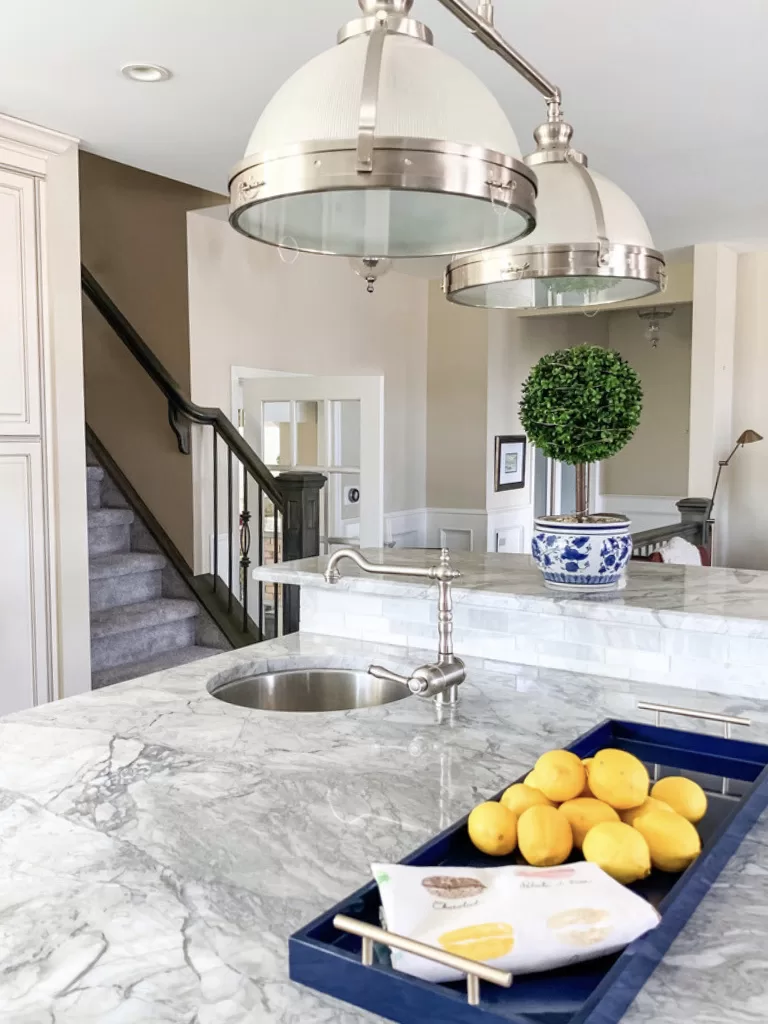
<point x="313" y="689"/>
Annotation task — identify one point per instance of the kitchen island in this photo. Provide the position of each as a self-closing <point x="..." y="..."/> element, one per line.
<point x="159" y="846"/>
<point x="679" y="625"/>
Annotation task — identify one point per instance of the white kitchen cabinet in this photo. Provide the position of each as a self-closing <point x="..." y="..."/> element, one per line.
<point x="44" y="629"/>
<point x="25" y="640"/>
<point x="19" y="304"/>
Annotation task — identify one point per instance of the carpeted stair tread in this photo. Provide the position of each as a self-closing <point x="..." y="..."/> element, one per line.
<point x="99" y="518"/>
<point x="124" y="563"/>
<point x="95" y="473"/>
<point x="169" y="659"/>
<point x="128" y="617"/>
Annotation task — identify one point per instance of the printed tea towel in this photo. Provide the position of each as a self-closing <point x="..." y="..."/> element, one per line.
<point x="520" y="919"/>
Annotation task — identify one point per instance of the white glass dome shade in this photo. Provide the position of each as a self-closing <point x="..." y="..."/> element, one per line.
<point x="591" y="246"/>
<point x="446" y="173"/>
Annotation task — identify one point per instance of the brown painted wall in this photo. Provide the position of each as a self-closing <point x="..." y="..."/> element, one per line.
<point x="134" y="241"/>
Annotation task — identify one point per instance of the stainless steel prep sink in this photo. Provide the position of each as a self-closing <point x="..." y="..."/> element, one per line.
<point x="313" y="689"/>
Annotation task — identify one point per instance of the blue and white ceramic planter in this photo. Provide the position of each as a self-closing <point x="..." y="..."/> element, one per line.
<point x="583" y="556"/>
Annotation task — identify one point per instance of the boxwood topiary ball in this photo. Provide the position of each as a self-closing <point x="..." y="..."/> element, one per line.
<point x="581" y="404"/>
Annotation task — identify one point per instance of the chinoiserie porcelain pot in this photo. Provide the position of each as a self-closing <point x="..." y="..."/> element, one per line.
<point x="587" y="553"/>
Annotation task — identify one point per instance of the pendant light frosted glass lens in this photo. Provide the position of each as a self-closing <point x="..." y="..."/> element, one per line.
<point x="382" y="223"/>
<point x="553" y="292"/>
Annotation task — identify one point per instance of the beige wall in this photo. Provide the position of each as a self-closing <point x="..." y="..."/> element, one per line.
<point x="249" y="307"/>
<point x="457" y="398"/>
<point x="133" y="234"/>
<point x="745" y="482"/>
<point x="655" y="462"/>
<point x="516" y="344"/>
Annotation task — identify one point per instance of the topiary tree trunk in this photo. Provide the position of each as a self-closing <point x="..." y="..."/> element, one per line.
<point x="582" y="489"/>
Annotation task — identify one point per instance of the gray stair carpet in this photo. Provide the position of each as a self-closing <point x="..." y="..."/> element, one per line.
<point x="135" y="628"/>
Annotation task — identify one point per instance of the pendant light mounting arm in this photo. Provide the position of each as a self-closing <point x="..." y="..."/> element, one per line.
<point x="495" y="41"/>
<point x="369" y="95"/>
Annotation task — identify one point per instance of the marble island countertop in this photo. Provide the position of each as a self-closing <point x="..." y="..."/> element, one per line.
<point x="710" y="599"/>
<point x="159" y="846"/>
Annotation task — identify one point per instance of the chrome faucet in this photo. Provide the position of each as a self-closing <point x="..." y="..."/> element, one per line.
<point x="440" y="680"/>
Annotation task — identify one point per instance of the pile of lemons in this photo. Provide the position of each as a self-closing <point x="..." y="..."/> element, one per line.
<point x="600" y="806"/>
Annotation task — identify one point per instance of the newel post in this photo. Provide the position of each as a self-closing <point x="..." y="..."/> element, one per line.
<point x="301" y="531"/>
<point x="696" y="510"/>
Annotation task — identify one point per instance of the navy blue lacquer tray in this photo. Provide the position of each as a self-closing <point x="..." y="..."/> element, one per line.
<point x="597" y="992"/>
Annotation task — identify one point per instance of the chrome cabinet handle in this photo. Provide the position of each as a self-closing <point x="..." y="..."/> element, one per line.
<point x="474" y="971"/>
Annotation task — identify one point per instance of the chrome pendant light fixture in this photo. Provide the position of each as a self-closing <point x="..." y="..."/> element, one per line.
<point x="591" y="245"/>
<point x="383" y="147"/>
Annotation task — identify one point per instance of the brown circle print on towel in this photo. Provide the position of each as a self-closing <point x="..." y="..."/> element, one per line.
<point x="447" y="887"/>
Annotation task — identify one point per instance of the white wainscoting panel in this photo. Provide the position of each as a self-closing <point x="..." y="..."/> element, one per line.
<point x="510" y="530"/>
<point x="646" y="511"/>
<point x="24" y="594"/>
<point x="19" y="333"/>
<point x="456" y="528"/>
<point x="405" y="529"/>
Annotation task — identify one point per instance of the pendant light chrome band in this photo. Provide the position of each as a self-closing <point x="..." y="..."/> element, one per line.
<point x="396" y="26"/>
<point x="542" y="262"/>
<point x="402" y="164"/>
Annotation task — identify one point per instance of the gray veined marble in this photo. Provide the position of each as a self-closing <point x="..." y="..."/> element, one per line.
<point x="159" y="846"/>
<point x="738" y="598"/>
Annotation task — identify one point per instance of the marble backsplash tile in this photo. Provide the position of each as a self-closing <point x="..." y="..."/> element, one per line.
<point x="657" y="651"/>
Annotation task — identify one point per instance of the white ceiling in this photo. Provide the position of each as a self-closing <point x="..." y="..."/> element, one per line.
<point x="667" y="96"/>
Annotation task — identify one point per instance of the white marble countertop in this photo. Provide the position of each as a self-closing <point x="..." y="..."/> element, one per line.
<point x="159" y="846"/>
<point x="719" y="600"/>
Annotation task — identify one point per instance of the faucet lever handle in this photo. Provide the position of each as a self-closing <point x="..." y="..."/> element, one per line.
<point x="379" y="672"/>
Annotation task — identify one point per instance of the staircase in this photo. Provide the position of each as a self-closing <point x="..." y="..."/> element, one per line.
<point x="142" y="617"/>
<point x="149" y="609"/>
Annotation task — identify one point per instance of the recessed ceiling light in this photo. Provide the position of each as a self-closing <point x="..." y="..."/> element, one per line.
<point x="146" y="72"/>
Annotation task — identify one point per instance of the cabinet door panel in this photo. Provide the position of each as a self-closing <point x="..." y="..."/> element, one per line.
<point x="20" y="383"/>
<point x="24" y="641"/>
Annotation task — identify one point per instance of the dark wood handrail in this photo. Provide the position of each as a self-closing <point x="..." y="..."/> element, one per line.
<point x="149" y="362"/>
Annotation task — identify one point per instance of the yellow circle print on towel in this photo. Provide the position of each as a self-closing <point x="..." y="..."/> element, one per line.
<point x="581" y="927"/>
<point x="480" y="942"/>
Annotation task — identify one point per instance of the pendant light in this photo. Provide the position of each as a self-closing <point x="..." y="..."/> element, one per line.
<point x="383" y="147"/>
<point x="591" y="245"/>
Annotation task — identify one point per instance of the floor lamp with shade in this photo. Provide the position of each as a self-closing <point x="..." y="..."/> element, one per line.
<point x="746" y="437"/>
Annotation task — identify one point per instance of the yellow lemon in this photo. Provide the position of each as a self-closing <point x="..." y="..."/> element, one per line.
<point x="673" y="841"/>
<point x="620" y="850"/>
<point x="560" y="775"/>
<point x="587" y="761"/>
<point x="480" y="941"/>
<point x="683" y="795"/>
<point x="519" y="798"/>
<point x="544" y="836"/>
<point x="493" y="828"/>
<point x="618" y="778"/>
<point x="651" y="804"/>
<point x="584" y="812"/>
<point x="530" y="780"/>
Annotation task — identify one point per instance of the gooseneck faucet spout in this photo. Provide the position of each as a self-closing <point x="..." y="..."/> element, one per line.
<point x="440" y="680"/>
